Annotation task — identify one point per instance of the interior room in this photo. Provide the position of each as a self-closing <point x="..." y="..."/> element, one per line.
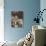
<point x="23" y="23"/>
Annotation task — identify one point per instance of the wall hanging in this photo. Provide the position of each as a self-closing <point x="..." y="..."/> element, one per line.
<point x="16" y="19"/>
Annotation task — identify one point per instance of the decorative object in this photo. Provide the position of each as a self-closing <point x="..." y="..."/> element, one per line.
<point x="39" y="16"/>
<point x="17" y="19"/>
<point x="28" y="40"/>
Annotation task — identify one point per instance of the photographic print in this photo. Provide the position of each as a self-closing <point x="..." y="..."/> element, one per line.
<point x="16" y="19"/>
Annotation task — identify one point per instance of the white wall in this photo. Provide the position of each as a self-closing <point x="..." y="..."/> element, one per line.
<point x="1" y="21"/>
<point x="43" y="6"/>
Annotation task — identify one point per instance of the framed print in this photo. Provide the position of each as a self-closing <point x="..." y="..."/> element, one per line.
<point x="16" y="19"/>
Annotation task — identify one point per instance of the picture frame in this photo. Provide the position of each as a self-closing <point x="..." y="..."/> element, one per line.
<point x="17" y="19"/>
